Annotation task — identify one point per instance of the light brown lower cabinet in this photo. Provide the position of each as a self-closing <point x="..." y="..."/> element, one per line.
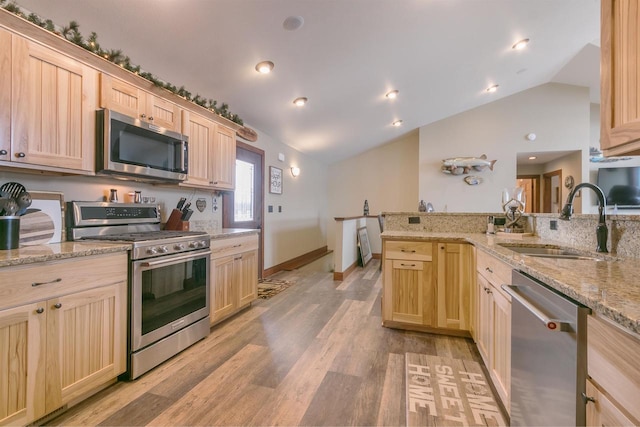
<point x="68" y="342"/>
<point x="427" y="285"/>
<point x="493" y="322"/>
<point x="234" y="275"/>
<point x="613" y="387"/>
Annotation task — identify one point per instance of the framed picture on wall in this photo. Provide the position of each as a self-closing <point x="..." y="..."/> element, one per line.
<point x="275" y="180"/>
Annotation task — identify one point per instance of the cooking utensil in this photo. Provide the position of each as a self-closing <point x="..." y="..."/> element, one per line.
<point x="10" y="208"/>
<point x="13" y="188"/>
<point x="24" y="201"/>
<point x="3" y="203"/>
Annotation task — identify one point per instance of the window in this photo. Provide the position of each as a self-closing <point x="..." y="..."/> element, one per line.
<point x="243" y="195"/>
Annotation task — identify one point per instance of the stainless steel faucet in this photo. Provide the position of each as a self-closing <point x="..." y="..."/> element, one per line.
<point x="602" y="232"/>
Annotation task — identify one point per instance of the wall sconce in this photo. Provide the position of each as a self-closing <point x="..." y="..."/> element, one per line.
<point x="295" y="171"/>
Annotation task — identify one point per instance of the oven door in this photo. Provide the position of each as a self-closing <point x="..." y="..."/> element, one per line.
<point x="168" y="294"/>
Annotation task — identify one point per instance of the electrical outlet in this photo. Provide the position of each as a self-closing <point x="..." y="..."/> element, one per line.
<point x="270" y="208"/>
<point x="414" y="220"/>
<point x="553" y="224"/>
<point x="279" y="208"/>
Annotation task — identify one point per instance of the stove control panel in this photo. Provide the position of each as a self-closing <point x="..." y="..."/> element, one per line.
<point x="171" y="246"/>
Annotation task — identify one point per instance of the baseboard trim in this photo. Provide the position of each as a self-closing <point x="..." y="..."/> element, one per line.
<point x="297" y="262"/>
<point x="341" y="275"/>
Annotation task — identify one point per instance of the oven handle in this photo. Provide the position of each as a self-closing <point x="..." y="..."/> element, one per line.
<point x="553" y="325"/>
<point x="158" y="262"/>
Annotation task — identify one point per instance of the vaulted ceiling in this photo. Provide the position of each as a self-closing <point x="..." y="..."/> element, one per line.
<point x="440" y="55"/>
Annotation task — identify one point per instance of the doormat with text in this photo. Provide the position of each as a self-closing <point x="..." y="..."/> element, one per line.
<point x="270" y="287"/>
<point x="452" y="392"/>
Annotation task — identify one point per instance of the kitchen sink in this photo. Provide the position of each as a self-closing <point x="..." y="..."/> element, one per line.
<point x="550" y="252"/>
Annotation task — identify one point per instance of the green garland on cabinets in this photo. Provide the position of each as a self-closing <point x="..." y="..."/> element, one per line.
<point x="72" y="34"/>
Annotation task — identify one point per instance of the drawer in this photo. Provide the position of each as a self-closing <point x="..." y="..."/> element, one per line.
<point x="233" y="245"/>
<point x="495" y="271"/>
<point x="612" y="362"/>
<point x="418" y="251"/>
<point x="36" y="282"/>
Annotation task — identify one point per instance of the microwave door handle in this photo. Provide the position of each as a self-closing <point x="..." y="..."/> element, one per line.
<point x="182" y="156"/>
<point x="172" y="260"/>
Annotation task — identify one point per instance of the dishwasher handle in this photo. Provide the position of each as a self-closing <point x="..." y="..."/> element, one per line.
<point x="553" y="325"/>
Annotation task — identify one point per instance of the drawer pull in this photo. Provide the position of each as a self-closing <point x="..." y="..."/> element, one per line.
<point x="57" y="305"/>
<point x="40" y="310"/>
<point x="586" y="399"/>
<point x="407" y="251"/>
<point x="237" y="246"/>
<point x="489" y="270"/>
<point x="408" y="265"/>
<point x="59" y="279"/>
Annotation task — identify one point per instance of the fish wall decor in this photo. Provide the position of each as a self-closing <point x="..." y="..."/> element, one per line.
<point x="464" y="165"/>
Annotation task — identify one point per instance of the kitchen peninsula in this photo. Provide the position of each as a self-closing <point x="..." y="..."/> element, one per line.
<point x="606" y="284"/>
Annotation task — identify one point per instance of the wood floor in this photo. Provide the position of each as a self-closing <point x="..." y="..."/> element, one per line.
<point x="315" y="354"/>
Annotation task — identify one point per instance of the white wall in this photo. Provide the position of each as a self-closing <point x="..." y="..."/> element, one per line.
<point x="301" y="227"/>
<point x="558" y="114"/>
<point x="386" y="176"/>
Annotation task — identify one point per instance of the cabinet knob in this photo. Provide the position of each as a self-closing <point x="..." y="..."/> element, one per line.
<point x="40" y="310"/>
<point x="20" y="154"/>
<point x="3" y="152"/>
<point x="143" y="115"/>
<point x="489" y="270"/>
<point x="586" y="399"/>
<point x="57" y="305"/>
<point x="150" y="118"/>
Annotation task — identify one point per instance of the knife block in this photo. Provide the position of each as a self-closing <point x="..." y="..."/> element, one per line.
<point x="175" y="222"/>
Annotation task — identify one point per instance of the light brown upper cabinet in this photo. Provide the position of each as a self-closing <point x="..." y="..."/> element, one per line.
<point x="620" y="77"/>
<point x="212" y="153"/>
<point x="125" y="98"/>
<point x="48" y="102"/>
<point x="224" y="158"/>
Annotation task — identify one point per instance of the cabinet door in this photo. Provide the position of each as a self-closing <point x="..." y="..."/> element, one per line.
<point x="201" y="133"/>
<point x="500" y="353"/>
<point x="247" y="273"/>
<point x="53" y="108"/>
<point x="224" y="158"/>
<point x="603" y="412"/>
<point x="224" y="292"/>
<point x="121" y="96"/>
<point x="455" y="277"/>
<point x="5" y="95"/>
<point x="620" y="77"/>
<point x="485" y="314"/>
<point x="163" y="113"/>
<point x="22" y="358"/>
<point x="410" y="295"/>
<point x="87" y="342"/>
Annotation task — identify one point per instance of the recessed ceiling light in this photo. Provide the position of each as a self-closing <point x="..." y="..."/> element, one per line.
<point x="532" y="157"/>
<point x="300" y="101"/>
<point x="492" y="89"/>
<point x="521" y="44"/>
<point x="264" y="67"/>
<point x="392" y="95"/>
<point x="397" y="123"/>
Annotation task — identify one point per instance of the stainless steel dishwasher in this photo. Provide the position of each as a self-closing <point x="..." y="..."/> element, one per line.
<point x="548" y="355"/>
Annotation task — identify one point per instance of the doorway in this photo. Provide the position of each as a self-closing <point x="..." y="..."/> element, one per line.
<point x="531" y="185"/>
<point x="552" y="191"/>
<point x="243" y="207"/>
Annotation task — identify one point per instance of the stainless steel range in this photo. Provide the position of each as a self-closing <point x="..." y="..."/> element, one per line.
<point x="168" y="277"/>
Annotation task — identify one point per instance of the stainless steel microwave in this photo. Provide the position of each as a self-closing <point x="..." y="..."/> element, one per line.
<point x="128" y="147"/>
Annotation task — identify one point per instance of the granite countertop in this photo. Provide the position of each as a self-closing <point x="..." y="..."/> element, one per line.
<point x="56" y="251"/>
<point x="610" y="287"/>
<point x="224" y="233"/>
